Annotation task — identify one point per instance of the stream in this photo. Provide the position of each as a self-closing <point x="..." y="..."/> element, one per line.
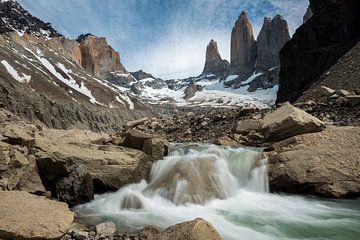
<point x="228" y="187"/>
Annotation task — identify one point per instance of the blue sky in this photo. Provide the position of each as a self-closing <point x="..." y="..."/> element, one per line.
<point x="165" y="37"/>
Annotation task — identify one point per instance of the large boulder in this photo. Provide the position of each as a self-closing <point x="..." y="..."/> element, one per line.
<point x="18" y="171"/>
<point x="198" y="229"/>
<point x="325" y="163"/>
<point x="26" y="216"/>
<point x="110" y="167"/>
<point x="288" y="121"/>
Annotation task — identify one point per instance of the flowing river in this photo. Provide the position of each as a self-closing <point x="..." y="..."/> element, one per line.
<point x="229" y="188"/>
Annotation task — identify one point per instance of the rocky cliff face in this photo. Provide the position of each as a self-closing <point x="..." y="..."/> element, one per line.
<point x="272" y="37"/>
<point x="317" y="45"/>
<point x="98" y="57"/>
<point x="308" y="14"/>
<point x="214" y="64"/>
<point x="14" y="18"/>
<point x="243" y="47"/>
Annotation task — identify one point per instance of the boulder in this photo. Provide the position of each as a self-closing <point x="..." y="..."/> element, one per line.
<point x="324" y="163"/>
<point x="156" y="148"/>
<point x="135" y="139"/>
<point x="198" y="229"/>
<point x="18" y="172"/>
<point x="109" y="166"/>
<point x="16" y="134"/>
<point x="135" y="123"/>
<point x="27" y="216"/>
<point x="288" y="121"/>
<point x="226" y="141"/>
<point x="106" y="229"/>
<point x="191" y="90"/>
<point x="353" y="100"/>
<point x="247" y="125"/>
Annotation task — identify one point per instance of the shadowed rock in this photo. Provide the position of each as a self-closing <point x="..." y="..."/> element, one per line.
<point x="213" y="62"/>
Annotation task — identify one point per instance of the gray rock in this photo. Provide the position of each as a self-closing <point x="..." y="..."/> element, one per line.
<point x="106" y="229"/>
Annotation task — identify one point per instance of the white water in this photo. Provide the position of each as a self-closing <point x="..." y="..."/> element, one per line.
<point x="229" y="188"/>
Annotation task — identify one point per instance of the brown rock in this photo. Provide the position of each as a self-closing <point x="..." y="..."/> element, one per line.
<point x="135" y="123"/>
<point x="226" y="141"/>
<point x="247" y="125"/>
<point x="354" y="100"/>
<point x="198" y="229"/>
<point x="272" y="37"/>
<point x="324" y="164"/>
<point x="156" y="148"/>
<point x="288" y="121"/>
<point x="98" y="57"/>
<point x="191" y="90"/>
<point x="135" y="139"/>
<point x="26" y="216"/>
<point x="213" y="62"/>
<point x="243" y="47"/>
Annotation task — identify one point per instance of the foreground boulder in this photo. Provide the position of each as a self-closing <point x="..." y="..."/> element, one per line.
<point x="198" y="229"/>
<point x="324" y="164"/>
<point x="68" y="160"/>
<point x="288" y="121"/>
<point x="26" y="216"/>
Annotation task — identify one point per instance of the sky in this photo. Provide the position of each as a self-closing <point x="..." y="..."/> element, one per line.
<point x="167" y="38"/>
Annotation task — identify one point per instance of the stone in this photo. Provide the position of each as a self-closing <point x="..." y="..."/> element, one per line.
<point x="156" y="148"/>
<point x="343" y="93"/>
<point x="255" y="136"/>
<point x="191" y="90"/>
<point x="324" y="164"/>
<point x="2" y="105"/>
<point x="76" y="188"/>
<point x="353" y="100"/>
<point x="273" y="35"/>
<point x="226" y="141"/>
<point x="131" y="201"/>
<point x="19" y="134"/>
<point x="106" y="229"/>
<point x="214" y="64"/>
<point x="243" y="47"/>
<point x="288" y="121"/>
<point x="317" y="45"/>
<point x="198" y="229"/>
<point x="110" y="167"/>
<point x="247" y="125"/>
<point x="135" y="123"/>
<point x="30" y="181"/>
<point x="135" y="139"/>
<point x="27" y="216"/>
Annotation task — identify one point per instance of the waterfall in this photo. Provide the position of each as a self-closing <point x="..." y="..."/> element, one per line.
<point x="228" y="187"/>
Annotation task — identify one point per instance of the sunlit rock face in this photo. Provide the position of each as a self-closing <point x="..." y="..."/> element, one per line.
<point x="98" y="57"/>
<point x="272" y="37"/>
<point x="243" y="47"/>
<point x="213" y="62"/>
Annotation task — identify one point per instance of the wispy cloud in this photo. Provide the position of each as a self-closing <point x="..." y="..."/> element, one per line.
<point x="165" y="37"/>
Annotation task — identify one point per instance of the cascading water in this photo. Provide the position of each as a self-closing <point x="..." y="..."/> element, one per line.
<point x="229" y="188"/>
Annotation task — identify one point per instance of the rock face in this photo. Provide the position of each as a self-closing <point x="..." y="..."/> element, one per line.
<point x="272" y="37"/>
<point x="308" y="14"/>
<point x="317" y="45"/>
<point x="198" y="229"/>
<point x="243" y="47"/>
<point x="213" y="62"/>
<point x="191" y="90"/>
<point x="288" y="121"/>
<point x="26" y="216"/>
<point x="14" y="17"/>
<point x="98" y="57"/>
<point x="324" y="164"/>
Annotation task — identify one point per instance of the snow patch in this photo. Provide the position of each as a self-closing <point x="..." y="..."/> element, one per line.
<point x="23" y="78"/>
